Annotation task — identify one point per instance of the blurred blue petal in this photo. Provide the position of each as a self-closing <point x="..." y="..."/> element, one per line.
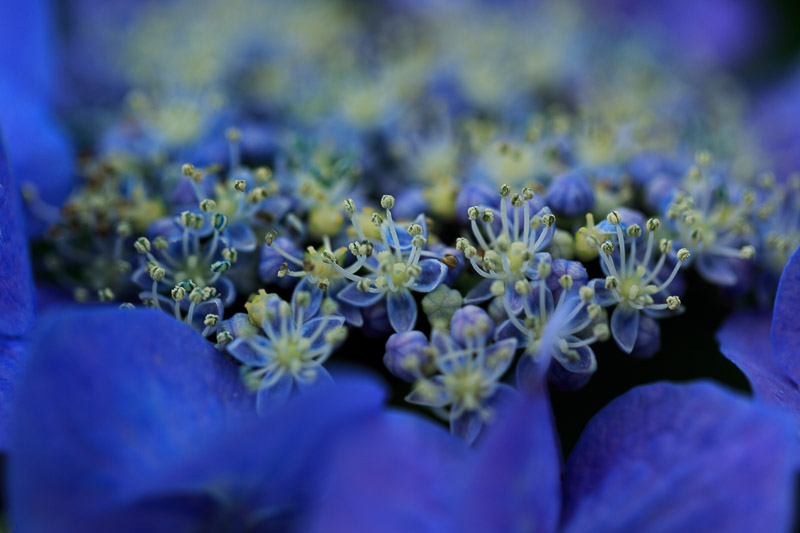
<point x="668" y="457"/>
<point x="26" y="46"/>
<point x="133" y="415"/>
<point x="433" y="274"/>
<point x="111" y="398"/>
<point x="480" y="292"/>
<point x="243" y="352"/>
<point x="625" y="327"/>
<point x="38" y="149"/>
<point x="16" y="284"/>
<point x="717" y="270"/>
<point x="514" y="484"/>
<point x="352" y="295"/>
<point x="745" y="339"/>
<point x="786" y="319"/>
<point x="272" y="397"/>
<point x="395" y="475"/>
<point x="402" y="310"/>
<point x="316" y="294"/>
<point x="466" y="425"/>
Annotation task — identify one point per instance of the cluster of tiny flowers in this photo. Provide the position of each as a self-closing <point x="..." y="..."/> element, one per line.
<point x="460" y="244"/>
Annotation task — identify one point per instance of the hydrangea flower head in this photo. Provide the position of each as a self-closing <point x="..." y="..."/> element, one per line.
<point x="391" y="269"/>
<point x="635" y="281"/>
<point x="511" y="247"/>
<point x="467" y="372"/>
<point x="290" y="353"/>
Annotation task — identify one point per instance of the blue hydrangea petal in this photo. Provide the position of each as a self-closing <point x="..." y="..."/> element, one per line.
<point x="241" y="237"/>
<point x="466" y="425"/>
<point x="496" y="362"/>
<point x="225" y="290"/>
<point x="352" y="295"/>
<point x="38" y="149"/>
<point x="745" y="339"/>
<point x="213" y="306"/>
<point x="440" y="399"/>
<point x="629" y="217"/>
<point x="272" y="397"/>
<point x="239" y="325"/>
<point x="479" y="293"/>
<point x="410" y="201"/>
<point x="432" y="275"/>
<point x="26" y="46"/>
<point x="531" y="371"/>
<point x="402" y="310"/>
<point x="321" y="378"/>
<point x="400" y="348"/>
<point x="111" y="397"/>
<point x="786" y="319"/>
<point x="513" y="300"/>
<point x="533" y="266"/>
<point x="422" y="221"/>
<point x="245" y="350"/>
<point x="393" y="476"/>
<point x="548" y="231"/>
<point x="273" y="208"/>
<point x="12" y="354"/>
<point x="585" y="363"/>
<point x="319" y="327"/>
<point x="403" y="237"/>
<point x="666" y="457"/>
<point x="648" y="340"/>
<point x="717" y="270"/>
<point x="274" y="469"/>
<point x="316" y="294"/>
<point x="507" y="330"/>
<point x="351" y="313"/>
<point x="476" y="193"/>
<point x="625" y="327"/>
<point x="270" y="261"/>
<point x="17" y="298"/>
<point x="514" y="483"/>
<point x="534" y="299"/>
<point x="571" y="194"/>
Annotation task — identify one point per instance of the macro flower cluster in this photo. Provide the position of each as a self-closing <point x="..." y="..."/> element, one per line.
<point x="344" y="266"/>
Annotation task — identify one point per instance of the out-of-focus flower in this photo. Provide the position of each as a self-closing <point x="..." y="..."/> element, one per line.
<point x="132" y="421"/>
<point x="662" y="457"/>
<point x="556" y="335"/>
<point x="17" y="297"/>
<point x="765" y="348"/>
<point x="39" y="152"/>
<point x="466" y="384"/>
<point x="290" y="354"/>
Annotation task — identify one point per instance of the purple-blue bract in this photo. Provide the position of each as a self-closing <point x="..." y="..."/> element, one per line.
<point x="662" y="457"/>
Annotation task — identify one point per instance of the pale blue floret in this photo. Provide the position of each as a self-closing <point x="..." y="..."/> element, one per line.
<point x="392" y="269"/>
<point x="512" y="246"/>
<point x="713" y="218"/>
<point x="635" y="281"/>
<point x="466" y="387"/>
<point x="186" y="257"/>
<point x="290" y="353"/>
<point x="560" y="330"/>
